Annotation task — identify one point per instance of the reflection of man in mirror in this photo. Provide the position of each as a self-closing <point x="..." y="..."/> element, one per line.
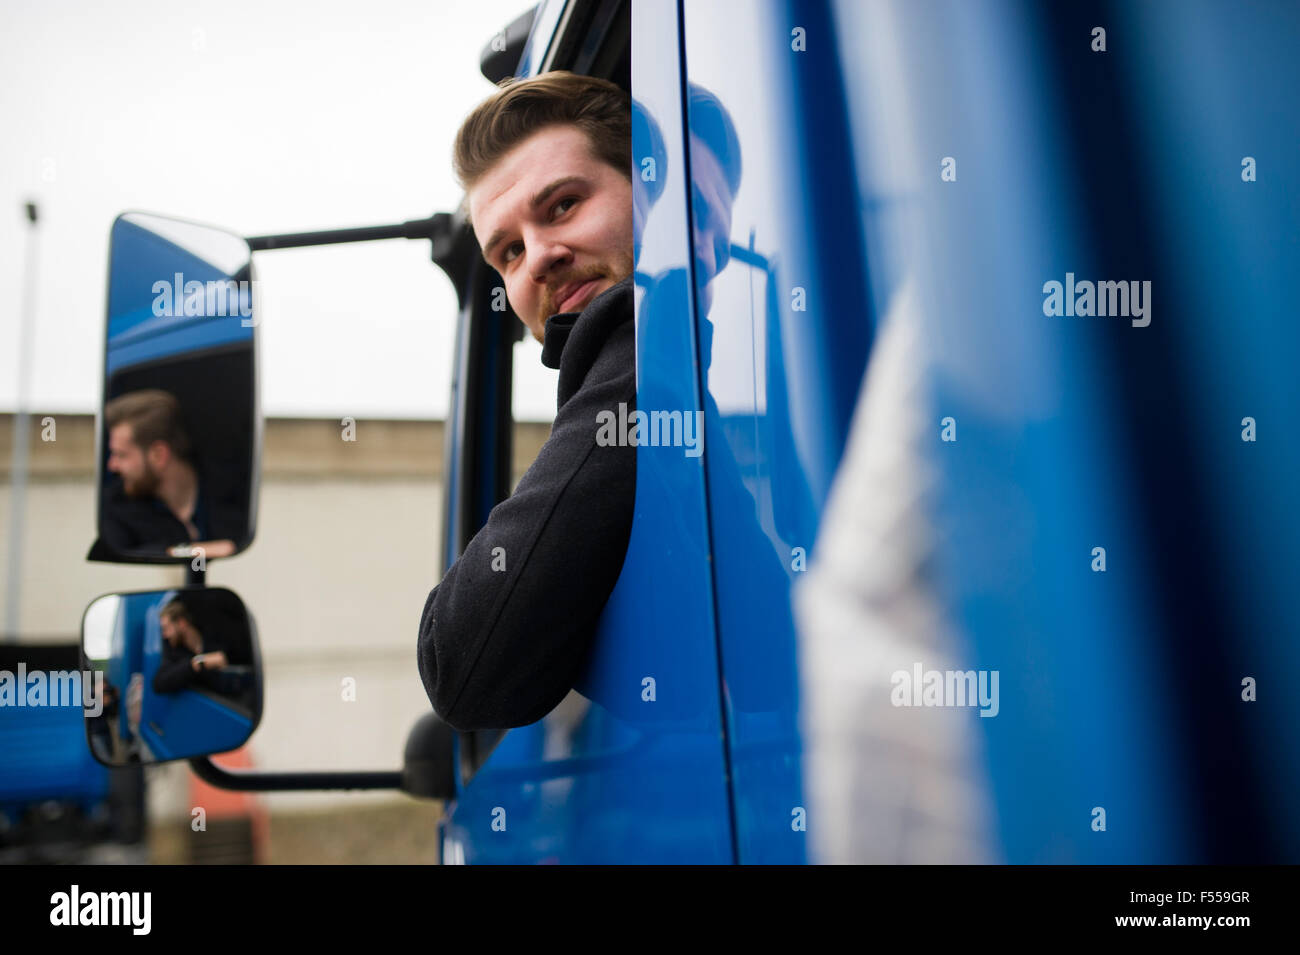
<point x="159" y="502"/>
<point x="762" y="679"/>
<point x="715" y="179"/>
<point x="187" y="659"/>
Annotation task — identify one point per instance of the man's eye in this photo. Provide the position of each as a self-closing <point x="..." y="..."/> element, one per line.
<point x="506" y="257"/>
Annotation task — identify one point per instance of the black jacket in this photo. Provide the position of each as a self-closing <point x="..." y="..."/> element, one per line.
<point x="176" y="671"/>
<point x="145" y="527"/>
<point x="501" y="647"/>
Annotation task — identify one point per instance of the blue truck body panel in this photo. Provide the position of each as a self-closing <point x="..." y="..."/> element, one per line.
<point x="43" y="756"/>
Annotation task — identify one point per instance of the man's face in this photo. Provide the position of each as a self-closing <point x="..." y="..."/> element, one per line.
<point x="553" y="219"/>
<point x="711" y="201"/>
<point x="129" y="461"/>
<point x="180" y="632"/>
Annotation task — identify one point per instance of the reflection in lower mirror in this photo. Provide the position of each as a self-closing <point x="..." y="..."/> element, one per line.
<point x="181" y="675"/>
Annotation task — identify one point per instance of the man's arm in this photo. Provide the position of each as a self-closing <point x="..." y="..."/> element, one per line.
<point x="501" y="647"/>
<point x="117" y="535"/>
<point x="175" y="672"/>
<point x="212" y="548"/>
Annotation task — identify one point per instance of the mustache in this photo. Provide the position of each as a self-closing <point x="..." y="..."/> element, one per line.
<point x="618" y="268"/>
<point x="550" y="303"/>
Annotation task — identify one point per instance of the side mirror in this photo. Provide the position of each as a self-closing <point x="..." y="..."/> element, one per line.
<point x="181" y="675"/>
<point x="179" y="424"/>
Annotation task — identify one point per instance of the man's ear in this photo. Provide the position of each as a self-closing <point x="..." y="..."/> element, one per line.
<point x="159" y="455"/>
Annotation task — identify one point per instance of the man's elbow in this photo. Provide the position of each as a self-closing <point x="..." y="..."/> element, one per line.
<point x="467" y="717"/>
<point x="469" y="701"/>
<point x="499" y="680"/>
<point x="481" y="708"/>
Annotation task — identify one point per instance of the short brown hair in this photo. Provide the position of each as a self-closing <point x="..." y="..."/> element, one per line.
<point x="175" y="610"/>
<point x="154" y="415"/>
<point x="522" y="106"/>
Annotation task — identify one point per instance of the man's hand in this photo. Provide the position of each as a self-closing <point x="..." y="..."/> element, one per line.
<point x="217" y="548"/>
<point x="208" y="661"/>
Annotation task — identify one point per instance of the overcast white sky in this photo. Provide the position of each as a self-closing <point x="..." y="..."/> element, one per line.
<point x="259" y="117"/>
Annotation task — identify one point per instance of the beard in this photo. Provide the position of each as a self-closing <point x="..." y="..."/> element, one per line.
<point x="616" y="270"/>
<point x="144" y="486"/>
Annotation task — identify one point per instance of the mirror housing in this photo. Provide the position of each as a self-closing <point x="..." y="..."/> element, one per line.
<point x="179" y="428"/>
<point x="429" y="762"/>
<point x="181" y="675"/>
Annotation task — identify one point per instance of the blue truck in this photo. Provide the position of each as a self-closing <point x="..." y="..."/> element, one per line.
<point x="58" y="804"/>
<point x="1107" y="497"/>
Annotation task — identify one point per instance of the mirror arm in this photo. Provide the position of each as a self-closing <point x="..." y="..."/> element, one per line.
<point x="454" y="248"/>
<point x="258" y="781"/>
<point x="431" y="228"/>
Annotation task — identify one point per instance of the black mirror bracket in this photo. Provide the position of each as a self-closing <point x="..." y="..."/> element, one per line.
<point x="265" y="781"/>
<point x="429" y="771"/>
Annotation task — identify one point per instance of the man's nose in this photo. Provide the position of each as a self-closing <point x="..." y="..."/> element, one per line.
<point x="547" y="256"/>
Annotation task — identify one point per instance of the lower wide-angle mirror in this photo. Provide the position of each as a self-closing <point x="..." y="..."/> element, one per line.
<point x="181" y="675"/>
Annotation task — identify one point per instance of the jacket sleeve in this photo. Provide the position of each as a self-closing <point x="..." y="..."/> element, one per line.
<point x="174" y="672"/>
<point x="505" y="634"/>
<point x="116" y="535"/>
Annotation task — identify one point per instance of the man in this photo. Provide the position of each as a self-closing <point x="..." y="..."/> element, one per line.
<point x="546" y="165"/>
<point x="716" y="170"/>
<point x="184" y="660"/>
<point x="159" y="503"/>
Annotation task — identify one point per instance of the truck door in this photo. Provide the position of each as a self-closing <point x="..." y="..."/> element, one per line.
<point x="784" y="328"/>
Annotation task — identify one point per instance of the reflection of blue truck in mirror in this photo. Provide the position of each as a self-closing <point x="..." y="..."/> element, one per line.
<point x="150" y="321"/>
